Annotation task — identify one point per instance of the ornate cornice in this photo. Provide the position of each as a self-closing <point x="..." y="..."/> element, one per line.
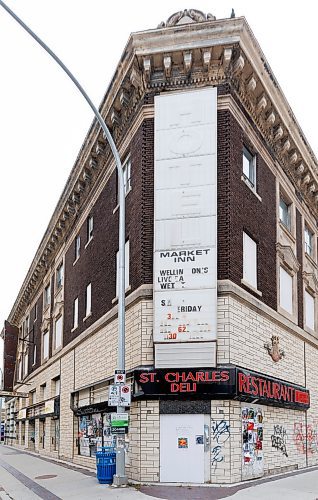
<point x="288" y="257"/>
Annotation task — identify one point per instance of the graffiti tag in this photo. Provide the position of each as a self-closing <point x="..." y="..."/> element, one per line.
<point x="300" y="432"/>
<point x="279" y="438"/>
<point x="220" y="434"/>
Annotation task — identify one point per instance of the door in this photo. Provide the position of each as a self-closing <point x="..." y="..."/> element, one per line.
<point x="184" y="443"/>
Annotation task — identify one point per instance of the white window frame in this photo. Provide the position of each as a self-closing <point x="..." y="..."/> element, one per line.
<point x="249" y="261"/>
<point x="250" y="176"/>
<point x="284" y="276"/>
<point x="88" y="300"/>
<point x="20" y="369"/>
<point x="77" y="247"/>
<point x="59" y="276"/>
<point x="34" y="355"/>
<point x="47" y="296"/>
<point x="46" y="344"/>
<point x="309" y="244"/>
<point x="58" y="319"/>
<point x="285" y="210"/>
<point x="127" y="252"/>
<point x="75" y="314"/>
<point x="35" y="312"/>
<point x="312" y="316"/>
<point x="127" y="175"/>
<point x="25" y="364"/>
<point x="90" y="227"/>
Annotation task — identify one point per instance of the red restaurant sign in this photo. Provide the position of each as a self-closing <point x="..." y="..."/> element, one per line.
<point x="228" y="382"/>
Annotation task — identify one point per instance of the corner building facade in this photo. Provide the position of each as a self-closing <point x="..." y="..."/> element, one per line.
<point x="221" y="280"/>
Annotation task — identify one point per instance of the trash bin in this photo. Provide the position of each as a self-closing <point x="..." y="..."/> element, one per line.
<point x="105" y="464"/>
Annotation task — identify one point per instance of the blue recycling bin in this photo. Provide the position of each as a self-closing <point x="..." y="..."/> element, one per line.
<point x="105" y="464"/>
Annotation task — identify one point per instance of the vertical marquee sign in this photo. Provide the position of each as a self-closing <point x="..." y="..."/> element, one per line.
<point x="185" y="259"/>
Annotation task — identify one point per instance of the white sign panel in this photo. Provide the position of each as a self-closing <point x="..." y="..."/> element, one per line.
<point x="113" y="395"/>
<point x="125" y="395"/>
<point x="185" y="256"/>
<point x="184" y="269"/>
<point x="185" y="316"/>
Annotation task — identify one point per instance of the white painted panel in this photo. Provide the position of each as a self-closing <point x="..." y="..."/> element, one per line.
<point x="189" y="233"/>
<point x="185" y="108"/>
<point x="186" y="172"/>
<point x="185" y="142"/>
<point x="185" y="316"/>
<point x="185" y="220"/>
<point x="310" y="310"/>
<point x="187" y="202"/>
<point x="249" y="260"/>
<point x="181" y="458"/>
<point x="285" y="290"/>
<point x="185" y="269"/>
<point x="186" y="355"/>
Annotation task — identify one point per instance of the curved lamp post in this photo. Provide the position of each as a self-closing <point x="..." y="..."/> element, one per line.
<point x="120" y="477"/>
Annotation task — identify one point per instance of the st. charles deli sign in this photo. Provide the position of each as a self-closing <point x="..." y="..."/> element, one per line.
<point x="185" y="256"/>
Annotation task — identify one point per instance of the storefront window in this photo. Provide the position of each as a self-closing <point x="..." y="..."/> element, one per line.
<point x="94" y="432"/>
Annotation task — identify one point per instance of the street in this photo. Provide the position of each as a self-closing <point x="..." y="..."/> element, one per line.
<point x="24" y="477"/>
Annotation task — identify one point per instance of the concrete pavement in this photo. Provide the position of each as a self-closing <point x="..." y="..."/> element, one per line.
<point x="24" y="476"/>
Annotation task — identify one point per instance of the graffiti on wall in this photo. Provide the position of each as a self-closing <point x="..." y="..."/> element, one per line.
<point x="300" y="432"/>
<point x="220" y="434"/>
<point x="279" y="439"/>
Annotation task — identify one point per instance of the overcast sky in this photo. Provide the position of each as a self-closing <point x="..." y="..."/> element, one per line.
<point x="43" y="118"/>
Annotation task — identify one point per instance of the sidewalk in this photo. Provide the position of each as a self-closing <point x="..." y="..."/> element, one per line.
<point x="25" y="477"/>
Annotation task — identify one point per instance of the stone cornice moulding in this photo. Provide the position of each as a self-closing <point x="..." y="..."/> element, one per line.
<point x="287" y="256"/>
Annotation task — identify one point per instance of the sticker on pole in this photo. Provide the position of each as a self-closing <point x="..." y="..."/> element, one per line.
<point x="114" y="395"/>
<point x="125" y="395"/>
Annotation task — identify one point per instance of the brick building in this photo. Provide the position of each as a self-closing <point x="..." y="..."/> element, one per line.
<point x="221" y="298"/>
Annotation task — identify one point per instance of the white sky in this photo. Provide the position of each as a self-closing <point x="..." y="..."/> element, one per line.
<point x="43" y="118"/>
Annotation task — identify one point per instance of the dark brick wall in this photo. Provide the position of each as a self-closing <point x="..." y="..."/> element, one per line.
<point x="299" y="249"/>
<point x="239" y="210"/>
<point x="11" y="334"/>
<point x="97" y="262"/>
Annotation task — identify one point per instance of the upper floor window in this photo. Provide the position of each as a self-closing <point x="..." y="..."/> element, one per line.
<point x="27" y="324"/>
<point x="59" y="276"/>
<point x="126" y="268"/>
<point x="90" y="226"/>
<point x="77" y="246"/>
<point x="35" y="311"/>
<point x="309" y="310"/>
<point x="127" y="175"/>
<point x="249" y="260"/>
<point x="34" y="355"/>
<point x="45" y="344"/>
<point x="309" y="242"/>
<point x="88" y="300"/>
<point x="58" y="332"/>
<point x="47" y="295"/>
<point x="57" y="386"/>
<point x="284" y="213"/>
<point x="26" y="364"/>
<point x="75" y="313"/>
<point x="285" y="290"/>
<point x="249" y="167"/>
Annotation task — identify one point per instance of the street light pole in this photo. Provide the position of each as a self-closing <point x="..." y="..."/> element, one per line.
<point x="120" y="478"/>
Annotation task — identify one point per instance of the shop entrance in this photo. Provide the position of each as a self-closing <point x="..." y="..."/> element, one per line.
<point x="184" y="448"/>
<point x="31" y="435"/>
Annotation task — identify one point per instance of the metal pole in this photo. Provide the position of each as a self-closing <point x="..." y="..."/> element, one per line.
<point x="120" y="478"/>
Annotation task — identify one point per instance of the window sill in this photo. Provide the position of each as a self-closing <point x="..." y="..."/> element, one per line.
<point x="287" y="231"/>
<point x="88" y="242"/>
<point x="74" y="328"/>
<point x="126" y="291"/>
<point x="76" y="260"/>
<point x="251" y="287"/>
<point x="311" y="260"/>
<point x="88" y="316"/>
<point x="250" y="188"/>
